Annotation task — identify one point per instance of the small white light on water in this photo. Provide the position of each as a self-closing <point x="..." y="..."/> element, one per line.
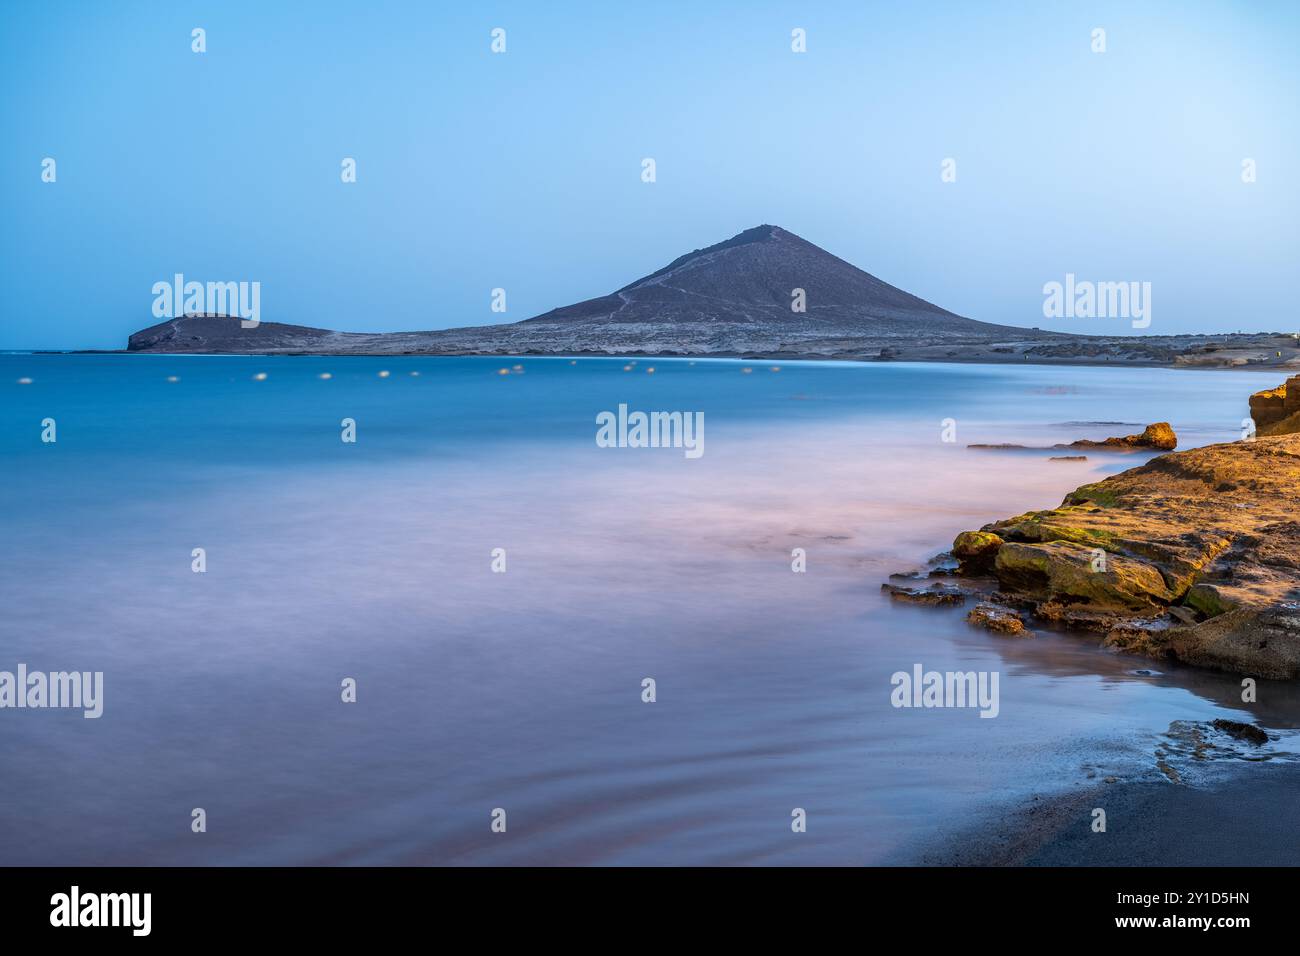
<point x="259" y="377"/>
<point x="173" y="378"/>
<point x="24" y="381"/>
<point x="326" y="375"/>
<point x="385" y="373"/>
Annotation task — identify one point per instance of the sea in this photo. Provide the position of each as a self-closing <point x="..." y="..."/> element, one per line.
<point x="475" y="635"/>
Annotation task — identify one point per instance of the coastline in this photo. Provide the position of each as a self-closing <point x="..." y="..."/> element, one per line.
<point x="1232" y="821"/>
<point x="984" y="358"/>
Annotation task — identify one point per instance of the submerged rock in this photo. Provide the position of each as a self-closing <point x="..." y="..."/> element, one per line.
<point x="1242" y="731"/>
<point x="1000" y="619"/>
<point x="935" y="596"/>
<point x="1212" y="532"/>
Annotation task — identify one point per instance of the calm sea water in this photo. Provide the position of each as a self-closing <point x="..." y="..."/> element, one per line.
<point x="522" y="690"/>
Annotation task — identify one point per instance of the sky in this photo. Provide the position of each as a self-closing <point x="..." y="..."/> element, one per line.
<point x="522" y="170"/>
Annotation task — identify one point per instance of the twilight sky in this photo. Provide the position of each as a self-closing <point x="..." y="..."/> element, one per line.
<point x="522" y="170"/>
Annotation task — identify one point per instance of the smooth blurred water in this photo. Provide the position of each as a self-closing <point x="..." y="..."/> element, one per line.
<point x="523" y="690"/>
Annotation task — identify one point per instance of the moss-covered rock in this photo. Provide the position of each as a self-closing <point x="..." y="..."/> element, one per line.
<point x="976" y="549"/>
<point x="1212" y="530"/>
<point x="1070" y="573"/>
<point x="1207" y="599"/>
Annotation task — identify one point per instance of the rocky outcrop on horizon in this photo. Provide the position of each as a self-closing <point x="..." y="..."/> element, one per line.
<point x="735" y="298"/>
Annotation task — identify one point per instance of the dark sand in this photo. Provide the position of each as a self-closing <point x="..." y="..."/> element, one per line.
<point x="1249" y="818"/>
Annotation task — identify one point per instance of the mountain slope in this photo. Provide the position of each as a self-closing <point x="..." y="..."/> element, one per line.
<point x="751" y="278"/>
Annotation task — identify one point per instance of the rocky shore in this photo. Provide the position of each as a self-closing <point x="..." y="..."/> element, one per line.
<point x="1193" y="556"/>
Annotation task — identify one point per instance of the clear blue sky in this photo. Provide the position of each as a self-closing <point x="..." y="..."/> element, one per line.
<point x="522" y="170"/>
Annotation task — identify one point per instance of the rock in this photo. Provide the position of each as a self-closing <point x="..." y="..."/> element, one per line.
<point x="1247" y="732"/>
<point x="1276" y="411"/>
<point x="1071" y="573"/>
<point x="1207" y="599"/>
<point x="1000" y="619"/>
<point x="1260" y="642"/>
<point x="1194" y="555"/>
<point x="935" y="596"/>
<point x="1160" y="436"/>
<point x="1149" y="637"/>
<point x="976" y="549"/>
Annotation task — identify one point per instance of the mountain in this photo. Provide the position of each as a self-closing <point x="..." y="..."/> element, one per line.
<point x="750" y="279"/>
<point x="731" y="298"/>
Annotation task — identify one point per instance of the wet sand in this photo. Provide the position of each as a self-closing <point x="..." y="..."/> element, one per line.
<point x="1249" y="818"/>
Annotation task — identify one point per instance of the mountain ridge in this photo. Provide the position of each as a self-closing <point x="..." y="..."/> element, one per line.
<point x="737" y="297"/>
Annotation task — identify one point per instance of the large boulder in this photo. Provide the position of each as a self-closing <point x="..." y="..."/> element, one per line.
<point x="1067" y="573"/>
<point x="976" y="549"/>
<point x="1261" y="642"/>
<point x="1276" y="411"/>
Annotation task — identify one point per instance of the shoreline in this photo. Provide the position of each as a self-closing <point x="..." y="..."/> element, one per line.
<point x="983" y="359"/>
<point x="1231" y="821"/>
